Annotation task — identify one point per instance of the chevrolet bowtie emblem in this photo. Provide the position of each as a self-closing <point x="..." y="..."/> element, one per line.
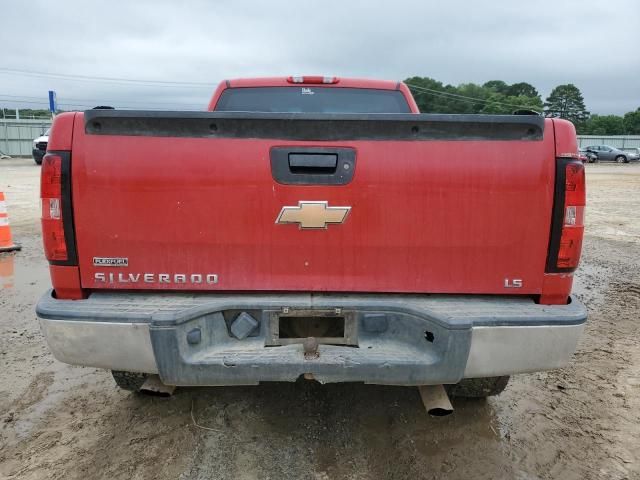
<point x="313" y="214"/>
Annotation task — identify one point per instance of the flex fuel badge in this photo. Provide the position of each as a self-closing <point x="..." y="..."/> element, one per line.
<point x="110" y="262"/>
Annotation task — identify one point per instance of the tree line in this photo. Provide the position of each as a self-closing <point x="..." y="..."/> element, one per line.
<point x="28" y="113"/>
<point x="498" y="97"/>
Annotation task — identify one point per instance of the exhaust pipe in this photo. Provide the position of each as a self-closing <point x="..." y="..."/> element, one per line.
<point x="435" y="400"/>
<point x="154" y="386"/>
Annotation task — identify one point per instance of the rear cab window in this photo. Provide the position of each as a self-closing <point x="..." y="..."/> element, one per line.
<point x="312" y="99"/>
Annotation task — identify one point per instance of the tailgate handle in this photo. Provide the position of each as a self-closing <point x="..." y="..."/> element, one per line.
<point x="302" y="165"/>
<point x="313" y="163"/>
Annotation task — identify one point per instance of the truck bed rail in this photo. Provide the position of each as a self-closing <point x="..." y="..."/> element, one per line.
<point x="306" y="126"/>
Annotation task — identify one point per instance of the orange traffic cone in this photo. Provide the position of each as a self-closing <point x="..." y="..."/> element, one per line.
<point x="6" y="243"/>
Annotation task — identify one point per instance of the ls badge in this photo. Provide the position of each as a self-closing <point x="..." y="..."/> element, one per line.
<point x="313" y="215"/>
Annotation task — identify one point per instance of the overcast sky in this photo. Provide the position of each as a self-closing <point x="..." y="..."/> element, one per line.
<point x="593" y="44"/>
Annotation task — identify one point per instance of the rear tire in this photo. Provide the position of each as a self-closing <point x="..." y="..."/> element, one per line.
<point x="129" y="381"/>
<point x="38" y="161"/>
<point x="478" y="387"/>
<point x="621" y="159"/>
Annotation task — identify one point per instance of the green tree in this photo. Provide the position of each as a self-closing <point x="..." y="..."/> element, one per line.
<point x="427" y="93"/>
<point x="434" y="97"/>
<point x="523" y="89"/>
<point x="566" y="101"/>
<point x="503" y="104"/>
<point x="497" y="86"/>
<point x="603" y="125"/>
<point x="472" y="98"/>
<point x="632" y="122"/>
<point x="25" y="113"/>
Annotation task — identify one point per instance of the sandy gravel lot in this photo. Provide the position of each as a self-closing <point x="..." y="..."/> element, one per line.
<point x="583" y="422"/>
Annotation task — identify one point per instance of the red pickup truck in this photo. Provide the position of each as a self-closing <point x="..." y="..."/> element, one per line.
<point x="312" y="226"/>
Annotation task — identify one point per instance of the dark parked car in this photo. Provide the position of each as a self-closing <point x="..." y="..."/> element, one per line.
<point x="607" y="153"/>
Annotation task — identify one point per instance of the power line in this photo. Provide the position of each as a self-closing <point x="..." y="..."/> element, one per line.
<point x="101" y="101"/>
<point x="116" y="80"/>
<point x="24" y="101"/>
<point x="87" y="103"/>
<point x="78" y="106"/>
<point x="159" y="83"/>
<point x="175" y="84"/>
<point x="465" y="97"/>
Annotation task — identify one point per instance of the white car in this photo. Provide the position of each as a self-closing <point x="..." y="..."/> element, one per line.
<point x="40" y="146"/>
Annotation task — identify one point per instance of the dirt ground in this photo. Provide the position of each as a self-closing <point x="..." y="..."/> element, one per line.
<point x="582" y="422"/>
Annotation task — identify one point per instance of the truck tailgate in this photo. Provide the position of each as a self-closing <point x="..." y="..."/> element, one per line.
<point x="436" y="203"/>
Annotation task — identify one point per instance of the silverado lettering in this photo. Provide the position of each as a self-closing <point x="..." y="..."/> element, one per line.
<point x="194" y="278"/>
<point x="359" y="240"/>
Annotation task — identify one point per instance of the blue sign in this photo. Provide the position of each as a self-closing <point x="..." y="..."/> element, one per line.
<point x="53" y="106"/>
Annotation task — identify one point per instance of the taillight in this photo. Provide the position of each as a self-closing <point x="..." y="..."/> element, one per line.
<point x="55" y="198"/>
<point x="568" y="217"/>
<point x="312" y="79"/>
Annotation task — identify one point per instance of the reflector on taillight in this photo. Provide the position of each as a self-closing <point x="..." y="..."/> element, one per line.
<point x="568" y="216"/>
<point x="55" y="195"/>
